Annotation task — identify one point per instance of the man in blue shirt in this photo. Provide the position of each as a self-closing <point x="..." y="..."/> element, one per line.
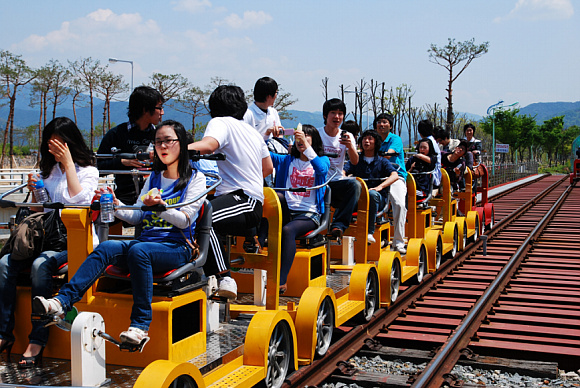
<point x="392" y="144"/>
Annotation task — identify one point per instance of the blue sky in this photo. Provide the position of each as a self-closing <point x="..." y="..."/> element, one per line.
<point x="533" y="54"/>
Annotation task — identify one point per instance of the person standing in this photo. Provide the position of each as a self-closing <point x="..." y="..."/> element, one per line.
<point x="392" y="144"/>
<point x="145" y="112"/>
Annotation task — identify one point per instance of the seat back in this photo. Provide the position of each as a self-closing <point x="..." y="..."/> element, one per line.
<point x="324" y="220"/>
<point x="202" y="235"/>
<point x="424" y="202"/>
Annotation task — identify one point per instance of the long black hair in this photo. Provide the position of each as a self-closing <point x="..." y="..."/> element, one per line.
<point x="183" y="166"/>
<point x="72" y="136"/>
<point x="429" y="144"/>
<point x="317" y="145"/>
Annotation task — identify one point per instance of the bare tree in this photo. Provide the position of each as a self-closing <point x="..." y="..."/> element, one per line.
<point x="324" y="87"/>
<point x="14" y="72"/>
<point x="169" y="85"/>
<point x="450" y="56"/>
<point x="88" y="71"/>
<point x="373" y="97"/>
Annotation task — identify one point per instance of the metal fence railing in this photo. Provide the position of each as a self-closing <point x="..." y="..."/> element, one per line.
<point x="508" y="172"/>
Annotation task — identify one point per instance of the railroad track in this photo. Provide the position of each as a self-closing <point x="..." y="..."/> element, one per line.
<point x="511" y="303"/>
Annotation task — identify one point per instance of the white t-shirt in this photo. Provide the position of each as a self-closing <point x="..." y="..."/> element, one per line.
<point x="301" y="174"/>
<point x="261" y="120"/>
<point x="244" y="149"/>
<point x="332" y="145"/>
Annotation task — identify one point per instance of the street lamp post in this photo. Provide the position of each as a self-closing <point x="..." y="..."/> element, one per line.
<point x="115" y="60"/>
<point x="492" y="109"/>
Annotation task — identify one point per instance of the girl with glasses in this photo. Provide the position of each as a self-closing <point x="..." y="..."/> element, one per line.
<point x="160" y="247"/>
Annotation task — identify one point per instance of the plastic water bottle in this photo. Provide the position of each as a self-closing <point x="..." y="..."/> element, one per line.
<point x="40" y="192"/>
<point x="107" y="208"/>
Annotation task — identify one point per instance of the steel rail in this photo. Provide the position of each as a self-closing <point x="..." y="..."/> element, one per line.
<point x="349" y="345"/>
<point x="447" y="356"/>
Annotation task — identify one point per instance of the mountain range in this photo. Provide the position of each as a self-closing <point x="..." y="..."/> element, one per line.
<point x="25" y="115"/>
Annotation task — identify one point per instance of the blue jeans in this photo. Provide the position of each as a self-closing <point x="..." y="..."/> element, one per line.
<point x="41" y="270"/>
<point x="345" y="193"/>
<point x="142" y="259"/>
<point x="376" y="203"/>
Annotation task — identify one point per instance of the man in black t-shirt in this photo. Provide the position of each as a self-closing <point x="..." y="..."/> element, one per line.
<point x="145" y="112"/>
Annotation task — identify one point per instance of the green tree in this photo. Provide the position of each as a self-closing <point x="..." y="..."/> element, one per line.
<point x="511" y="128"/>
<point x="169" y="85"/>
<point x="451" y="56"/>
<point x="192" y="102"/>
<point x="552" y="135"/>
<point x="14" y="73"/>
<point x="88" y="71"/>
<point x="109" y="85"/>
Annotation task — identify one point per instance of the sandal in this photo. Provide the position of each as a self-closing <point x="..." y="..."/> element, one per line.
<point x="32" y="361"/>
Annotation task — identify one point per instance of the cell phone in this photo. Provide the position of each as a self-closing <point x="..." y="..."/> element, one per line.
<point x="343" y="134"/>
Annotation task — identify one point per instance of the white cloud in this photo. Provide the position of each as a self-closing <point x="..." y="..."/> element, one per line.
<point x="97" y="32"/>
<point x="534" y="10"/>
<point x="250" y="19"/>
<point x="191" y="6"/>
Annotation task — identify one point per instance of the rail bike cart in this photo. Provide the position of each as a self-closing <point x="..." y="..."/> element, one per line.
<point x="313" y="301"/>
<point x="189" y="346"/>
<point x="392" y="268"/>
<point x="575" y="161"/>
<point x="468" y="198"/>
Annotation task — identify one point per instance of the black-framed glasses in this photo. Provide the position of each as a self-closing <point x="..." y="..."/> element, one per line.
<point x="159" y="108"/>
<point x="167" y="142"/>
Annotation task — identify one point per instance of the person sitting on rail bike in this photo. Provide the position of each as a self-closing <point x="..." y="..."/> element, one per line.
<point x="352" y="127"/>
<point x="67" y="168"/>
<point x="473" y="146"/>
<point x="373" y="167"/>
<point x="161" y="246"/>
<point x="237" y="205"/>
<point x="443" y="137"/>
<point x="424" y="161"/>
<point x="392" y="146"/>
<point x="305" y="166"/>
<point x="261" y="114"/>
<point x="425" y="129"/>
<point x="345" y="191"/>
<point x="454" y="163"/>
<point x="145" y="112"/>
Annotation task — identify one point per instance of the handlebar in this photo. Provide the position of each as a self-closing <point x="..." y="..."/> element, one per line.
<point x="125" y="155"/>
<point x="383" y="153"/>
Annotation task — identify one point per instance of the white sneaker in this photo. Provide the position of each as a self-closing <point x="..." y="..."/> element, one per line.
<point x="51" y="306"/>
<point x="372" y="239"/>
<point x="134" y="336"/>
<point x="228" y="288"/>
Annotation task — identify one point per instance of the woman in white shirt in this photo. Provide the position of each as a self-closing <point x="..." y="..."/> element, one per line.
<point x="67" y="168"/>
